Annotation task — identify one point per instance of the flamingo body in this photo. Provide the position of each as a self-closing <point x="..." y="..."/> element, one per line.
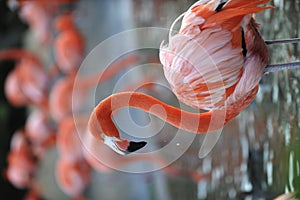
<point x="69" y="45"/>
<point x="21" y="162"/>
<point x="36" y="15"/>
<point x="73" y="177"/>
<point x="68" y="142"/>
<point x="28" y="82"/>
<point x="60" y="101"/>
<point x="204" y="63"/>
<point x="40" y="133"/>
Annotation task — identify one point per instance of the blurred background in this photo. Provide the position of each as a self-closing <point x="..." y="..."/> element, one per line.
<point x="257" y="155"/>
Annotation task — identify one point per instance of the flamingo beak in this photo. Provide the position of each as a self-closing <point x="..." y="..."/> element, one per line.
<point x="122" y="146"/>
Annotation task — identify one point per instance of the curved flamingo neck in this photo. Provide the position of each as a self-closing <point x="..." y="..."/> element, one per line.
<point x="101" y="121"/>
<point x="103" y="128"/>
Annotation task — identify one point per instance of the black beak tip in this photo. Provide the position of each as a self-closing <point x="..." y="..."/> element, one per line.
<point x="134" y="146"/>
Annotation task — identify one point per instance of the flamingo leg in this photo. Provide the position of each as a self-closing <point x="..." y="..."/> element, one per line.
<point x="284" y="41"/>
<point x="284" y="66"/>
<point x="279" y="67"/>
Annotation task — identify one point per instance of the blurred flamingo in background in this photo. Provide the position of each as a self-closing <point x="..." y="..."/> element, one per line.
<point x="38" y="14"/>
<point x="214" y="63"/>
<point x="69" y="47"/>
<point x="72" y="170"/>
<point x="68" y="141"/>
<point x="73" y="177"/>
<point x="40" y="132"/>
<point x="28" y="82"/>
<point x="22" y="163"/>
<point x="28" y="146"/>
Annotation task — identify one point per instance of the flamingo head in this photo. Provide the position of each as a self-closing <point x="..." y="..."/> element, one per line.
<point x="122" y="146"/>
<point x="103" y="129"/>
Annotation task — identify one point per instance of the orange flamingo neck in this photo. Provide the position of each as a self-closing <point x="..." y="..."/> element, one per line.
<point x="103" y="128"/>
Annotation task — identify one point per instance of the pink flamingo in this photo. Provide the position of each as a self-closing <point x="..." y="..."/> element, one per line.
<point x="72" y="170"/>
<point x="40" y="132"/>
<point x="73" y="177"/>
<point x="69" y="45"/>
<point x="214" y="63"/>
<point x="68" y="141"/>
<point x="28" y="82"/>
<point x="21" y="162"/>
<point x="38" y="16"/>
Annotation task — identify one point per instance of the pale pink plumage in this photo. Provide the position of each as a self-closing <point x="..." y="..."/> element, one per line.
<point x="202" y="63"/>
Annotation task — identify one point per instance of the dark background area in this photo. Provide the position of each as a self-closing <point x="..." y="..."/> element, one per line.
<point x="11" y="118"/>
